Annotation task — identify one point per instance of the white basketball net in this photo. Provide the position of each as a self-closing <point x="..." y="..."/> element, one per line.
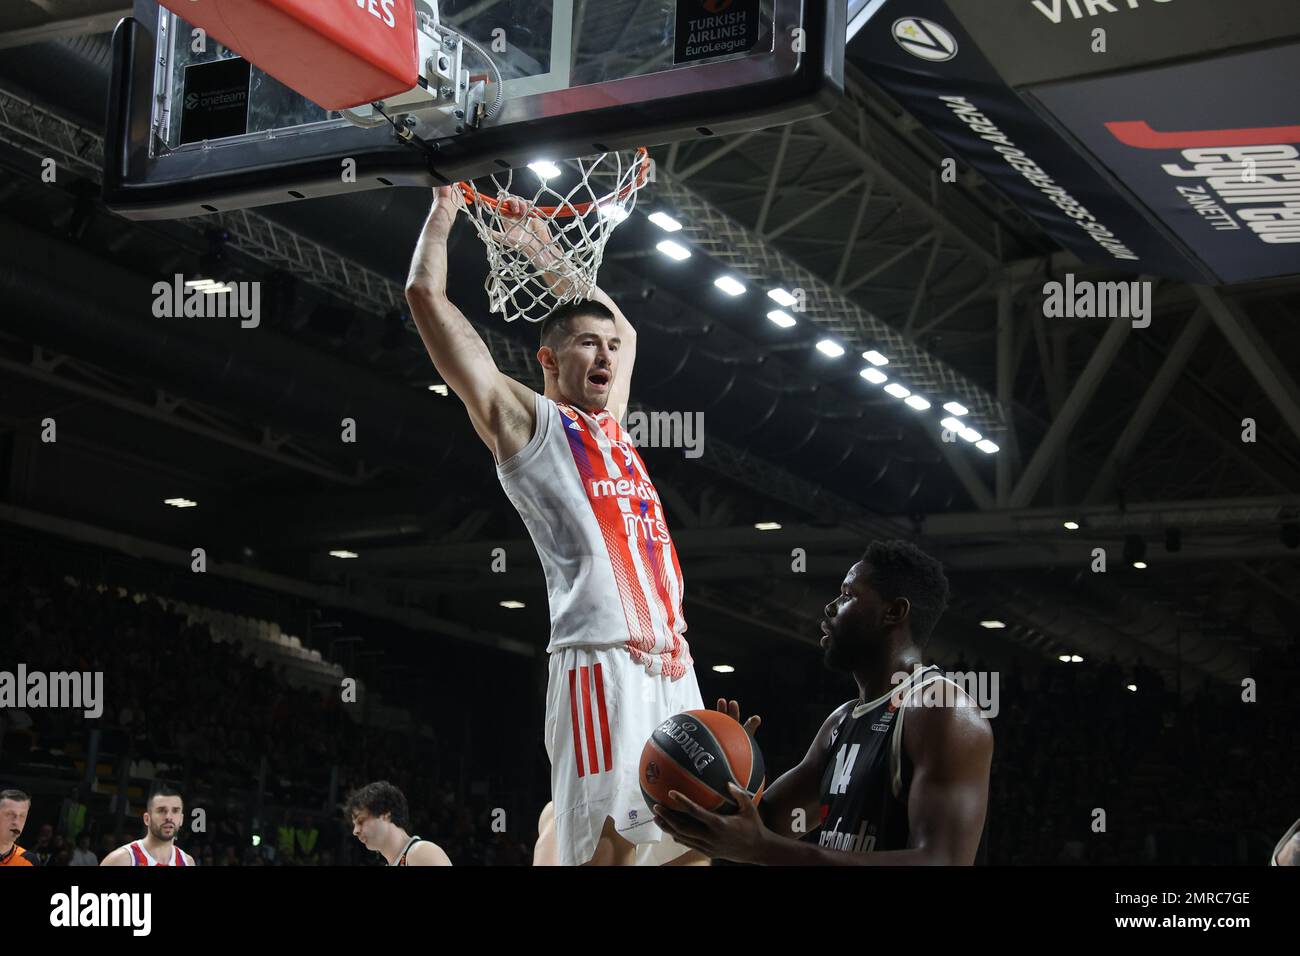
<point x="553" y="256"/>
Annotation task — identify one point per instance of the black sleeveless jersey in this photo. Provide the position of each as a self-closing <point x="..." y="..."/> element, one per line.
<point x="859" y="811"/>
<point x="865" y="782"/>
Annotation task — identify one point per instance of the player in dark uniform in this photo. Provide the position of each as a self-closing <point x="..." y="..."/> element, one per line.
<point x="380" y="819"/>
<point x="872" y="794"/>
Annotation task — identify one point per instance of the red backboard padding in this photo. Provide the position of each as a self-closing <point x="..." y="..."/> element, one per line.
<point x="337" y="53"/>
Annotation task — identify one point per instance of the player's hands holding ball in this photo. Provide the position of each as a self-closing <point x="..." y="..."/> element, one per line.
<point x="737" y="836"/>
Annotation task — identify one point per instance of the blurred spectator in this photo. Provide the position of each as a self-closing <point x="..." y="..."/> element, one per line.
<point x="42" y="850"/>
<point x="82" y="855"/>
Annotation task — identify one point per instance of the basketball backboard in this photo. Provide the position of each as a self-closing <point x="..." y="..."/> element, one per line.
<point x="194" y="128"/>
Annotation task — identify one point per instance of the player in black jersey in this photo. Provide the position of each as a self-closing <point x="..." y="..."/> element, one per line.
<point x="872" y="794"/>
<point x="380" y="819"/>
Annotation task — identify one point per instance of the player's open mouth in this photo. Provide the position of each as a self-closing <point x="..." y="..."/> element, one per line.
<point x="599" y="379"/>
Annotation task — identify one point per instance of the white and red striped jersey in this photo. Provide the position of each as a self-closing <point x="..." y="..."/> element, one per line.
<point x="141" y="857"/>
<point x="612" y="575"/>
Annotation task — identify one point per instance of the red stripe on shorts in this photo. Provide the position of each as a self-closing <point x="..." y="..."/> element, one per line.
<point x="586" y="720"/>
<point x="573" y="719"/>
<point x="604" y="720"/>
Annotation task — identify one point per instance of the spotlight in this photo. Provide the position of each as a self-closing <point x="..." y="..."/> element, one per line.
<point x="673" y="250"/>
<point x="545" y="169"/>
<point x="665" y="222"/>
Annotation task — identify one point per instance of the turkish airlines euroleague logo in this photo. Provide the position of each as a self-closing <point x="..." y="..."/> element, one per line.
<point x="1244" y="179"/>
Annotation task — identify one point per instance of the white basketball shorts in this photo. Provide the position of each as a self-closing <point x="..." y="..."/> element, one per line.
<point x="601" y="708"/>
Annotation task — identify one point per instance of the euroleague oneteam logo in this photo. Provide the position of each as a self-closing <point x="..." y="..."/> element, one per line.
<point x="192" y="101"/>
<point x="925" y="39"/>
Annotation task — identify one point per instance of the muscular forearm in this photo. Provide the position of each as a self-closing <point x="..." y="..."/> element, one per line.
<point x="428" y="273"/>
<point x="623" y="327"/>
<point x="451" y="341"/>
<point x="599" y="295"/>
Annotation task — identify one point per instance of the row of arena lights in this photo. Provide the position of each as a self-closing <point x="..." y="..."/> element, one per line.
<point x="546" y="169"/>
<point x="828" y="347"/>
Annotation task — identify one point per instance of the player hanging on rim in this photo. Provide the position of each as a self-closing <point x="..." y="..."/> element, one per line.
<point x="618" y="661"/>
<point x="164" y="816"/>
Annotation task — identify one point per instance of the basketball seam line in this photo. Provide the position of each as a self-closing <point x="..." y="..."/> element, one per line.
<point x="722" y="753"/>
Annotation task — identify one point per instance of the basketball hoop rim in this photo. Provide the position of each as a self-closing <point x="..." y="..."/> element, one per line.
<point x="567" y="210"/>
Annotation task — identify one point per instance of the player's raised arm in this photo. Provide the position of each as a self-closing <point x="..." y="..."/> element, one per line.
<point x="618" y="396"/>
<point x="500" y="408"/>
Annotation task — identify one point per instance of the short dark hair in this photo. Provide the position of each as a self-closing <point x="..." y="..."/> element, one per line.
<point x="17" y="796"/>
<point x="377" y="799"/>
<point x="560" y="321"/>
<point x="899" y="569"/>
<point x="161" y="789"/>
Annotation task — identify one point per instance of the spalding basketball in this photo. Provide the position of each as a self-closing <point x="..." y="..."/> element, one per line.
<point x="697" y="753"/>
